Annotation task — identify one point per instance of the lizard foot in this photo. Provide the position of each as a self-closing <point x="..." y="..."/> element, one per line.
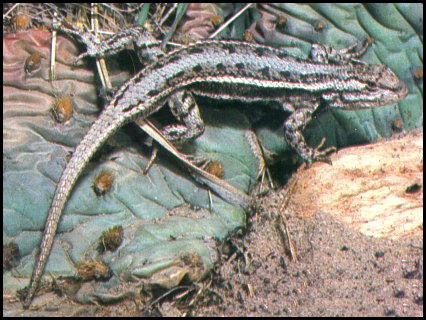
<point x="316" y="154"/>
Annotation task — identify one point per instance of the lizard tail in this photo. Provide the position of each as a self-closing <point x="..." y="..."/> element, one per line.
<point x="100" y="131"/>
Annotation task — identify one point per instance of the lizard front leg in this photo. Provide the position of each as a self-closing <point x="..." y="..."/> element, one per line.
<point x="326" y="54"/>
<point x="302" y="110"/>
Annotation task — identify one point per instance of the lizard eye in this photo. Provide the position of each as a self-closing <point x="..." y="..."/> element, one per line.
<point x="370" y="88"/>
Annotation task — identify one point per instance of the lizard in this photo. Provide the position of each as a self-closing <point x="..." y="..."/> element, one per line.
<point x="227" y="69"/>
<point x="182" y="104"/>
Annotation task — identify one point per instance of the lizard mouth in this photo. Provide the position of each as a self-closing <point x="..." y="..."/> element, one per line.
<point x="394" y="96"/>
<point x="402" y="91"/>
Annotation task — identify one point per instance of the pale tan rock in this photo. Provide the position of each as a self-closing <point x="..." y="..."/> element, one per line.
<point x="366" y="187"/>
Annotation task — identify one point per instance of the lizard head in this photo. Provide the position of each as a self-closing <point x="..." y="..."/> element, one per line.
<point x="376" y="85"/>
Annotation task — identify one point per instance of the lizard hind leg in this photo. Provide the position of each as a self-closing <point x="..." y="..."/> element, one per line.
<point x="185" y="109"/>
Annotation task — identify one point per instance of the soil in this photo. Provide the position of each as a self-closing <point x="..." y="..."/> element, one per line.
<point x="338" y="272"/>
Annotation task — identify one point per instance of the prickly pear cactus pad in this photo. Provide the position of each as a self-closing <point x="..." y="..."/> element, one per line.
<point x="170" y="223"/>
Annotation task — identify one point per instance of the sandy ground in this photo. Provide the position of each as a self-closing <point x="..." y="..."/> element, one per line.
<point x="339" y="272"/>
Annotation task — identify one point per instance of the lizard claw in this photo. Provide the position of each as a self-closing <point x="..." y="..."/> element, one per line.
<point x="199" y="161"/>
<point x="317" y="155"/>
